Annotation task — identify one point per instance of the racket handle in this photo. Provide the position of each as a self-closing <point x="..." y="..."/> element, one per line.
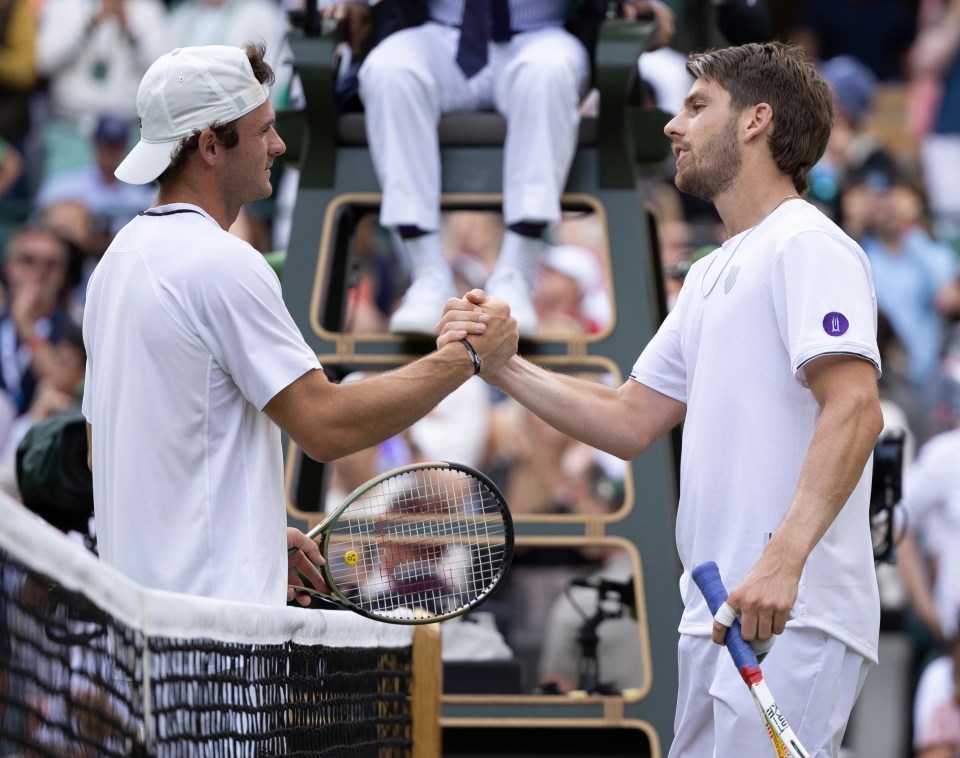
<point x="707" y="577"/>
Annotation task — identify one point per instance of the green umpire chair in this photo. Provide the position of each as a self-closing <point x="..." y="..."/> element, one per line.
<point x="616" y="150"/>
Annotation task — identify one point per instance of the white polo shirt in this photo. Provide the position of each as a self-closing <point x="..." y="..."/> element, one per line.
<point x="187" y="339"/>
<point x="733" y="349"/>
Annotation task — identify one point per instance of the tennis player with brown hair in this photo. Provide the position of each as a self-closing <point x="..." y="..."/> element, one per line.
<point x="770" y="361"/>
<point x="195" y="366"/>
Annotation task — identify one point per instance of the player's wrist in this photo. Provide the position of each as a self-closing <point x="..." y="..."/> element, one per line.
<point x="475" y="358"/>
<point x="458" y="357"/>
<point x="790" y="555"/>
<point x="506" y="374"/>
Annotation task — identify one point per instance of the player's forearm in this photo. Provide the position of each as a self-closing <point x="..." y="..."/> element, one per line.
<point x="613" y="420"/>
<point x="557" y="399"/>
<point x="365" y="413"/>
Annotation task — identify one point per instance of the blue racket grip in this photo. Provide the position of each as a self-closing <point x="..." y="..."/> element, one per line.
<point x="707" y="577"/>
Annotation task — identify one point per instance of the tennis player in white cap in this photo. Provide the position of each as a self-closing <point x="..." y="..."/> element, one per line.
<point x="195" y="366"/>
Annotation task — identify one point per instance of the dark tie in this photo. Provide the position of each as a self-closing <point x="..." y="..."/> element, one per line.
<point x="475" y="32"/>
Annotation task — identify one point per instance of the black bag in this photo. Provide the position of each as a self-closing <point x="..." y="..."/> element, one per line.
<point x="55" y="482"/>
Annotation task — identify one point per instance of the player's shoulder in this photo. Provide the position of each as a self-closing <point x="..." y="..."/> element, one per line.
<point x="197" y="234"/>
<point x="804" y="217"/>
<point x="183" y="243"/>
<point x="806" y="227"/>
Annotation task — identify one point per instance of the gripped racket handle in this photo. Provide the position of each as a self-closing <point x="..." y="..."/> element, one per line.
<point x="707" y="577"/>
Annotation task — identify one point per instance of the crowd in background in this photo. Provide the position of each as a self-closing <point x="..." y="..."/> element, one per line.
<point x="69" y="71"/>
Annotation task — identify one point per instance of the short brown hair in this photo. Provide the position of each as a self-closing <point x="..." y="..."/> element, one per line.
<point x="782" y="76"/>
<point x="226" y="133"/>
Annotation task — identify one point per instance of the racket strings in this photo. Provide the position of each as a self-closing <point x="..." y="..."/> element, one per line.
<point x="432" y="541"/>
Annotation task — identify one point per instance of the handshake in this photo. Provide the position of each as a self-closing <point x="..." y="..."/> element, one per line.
<point x="485" y="326"/>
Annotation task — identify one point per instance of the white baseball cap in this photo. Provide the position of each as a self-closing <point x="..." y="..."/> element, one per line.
<point x="188" y="88"/>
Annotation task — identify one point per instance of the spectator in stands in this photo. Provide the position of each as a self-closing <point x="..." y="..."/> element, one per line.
<point x="850" y="148"/>
<point x="18" y="71"/>
<point x="935" y="68"/>
<point x="471" y="242"/>
<point x="195" y="366"/>
<point x="928" y="559"/>
<point x="902" y="408"/>
<point x="236" y="22"/>
<point x="11" y="167"/>
<point x="93" y="55"/>
<point x="229" y="22"/>
<point x="113" y="202"/>
<point x="876" y="32"/>
<point x="535" y="73"/>
<point x="916" y="277"/>
<point x="937" y="707"/>
<point x="532" y="455"/>
<point x="87" y="238"/>
<point x="62" y="388"/>
<point x="58" y="391"/>
<point x="35" y="277"/>
<point x="571" y="297"/>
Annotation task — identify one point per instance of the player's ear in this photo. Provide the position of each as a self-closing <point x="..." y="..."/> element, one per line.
<point x="758" y="119"/>
<point x="209" y="146"/>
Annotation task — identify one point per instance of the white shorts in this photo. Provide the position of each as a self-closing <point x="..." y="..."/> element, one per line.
<point x="814" y="678"/>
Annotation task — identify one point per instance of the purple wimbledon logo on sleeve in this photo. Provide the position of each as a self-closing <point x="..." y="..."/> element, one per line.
<point x="835" y="324"/>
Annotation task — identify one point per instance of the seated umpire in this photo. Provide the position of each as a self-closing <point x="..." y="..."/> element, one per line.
<point x="527" y="59"/>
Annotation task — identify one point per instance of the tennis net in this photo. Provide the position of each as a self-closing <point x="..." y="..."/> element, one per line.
<point x="91" y="664"/>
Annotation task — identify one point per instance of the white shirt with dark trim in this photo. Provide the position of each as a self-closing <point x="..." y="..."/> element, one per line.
<point x="748" y="319"/>
<point x="188" y="338"/>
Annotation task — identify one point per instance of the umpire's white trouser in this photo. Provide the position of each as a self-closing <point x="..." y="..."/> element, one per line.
<point x="814" y="678"/>
<point x="535" y="80"/>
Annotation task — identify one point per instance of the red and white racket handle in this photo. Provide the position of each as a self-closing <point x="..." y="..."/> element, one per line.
<point x="707" y="577"/>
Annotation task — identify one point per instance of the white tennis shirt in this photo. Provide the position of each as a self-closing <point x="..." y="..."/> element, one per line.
<point x="733" y="349"/>
<point x="187" y="339"/>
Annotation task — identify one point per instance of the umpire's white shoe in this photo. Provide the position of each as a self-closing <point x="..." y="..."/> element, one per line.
<point x="423" y="303"/>
<point x="511" y="285"/>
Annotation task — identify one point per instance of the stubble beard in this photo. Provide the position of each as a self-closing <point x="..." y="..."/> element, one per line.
<point x="713" y="173"/>
<point x="243" y="190"/>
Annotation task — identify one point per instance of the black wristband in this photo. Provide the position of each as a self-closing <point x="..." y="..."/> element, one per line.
<point x="477" y="360"/>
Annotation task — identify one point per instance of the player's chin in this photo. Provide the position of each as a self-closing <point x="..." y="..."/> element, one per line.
<point x="260" y="190"/>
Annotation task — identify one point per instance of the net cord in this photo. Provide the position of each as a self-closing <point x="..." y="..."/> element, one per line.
<point x="167" y="614"/>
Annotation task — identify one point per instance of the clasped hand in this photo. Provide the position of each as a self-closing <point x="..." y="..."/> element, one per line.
<point x="487" y="322"/>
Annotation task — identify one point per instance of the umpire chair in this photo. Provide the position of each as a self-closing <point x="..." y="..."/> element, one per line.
<point x="616" y="151"/>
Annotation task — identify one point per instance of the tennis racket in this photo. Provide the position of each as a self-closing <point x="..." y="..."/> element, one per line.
<point x="784" y="739"/>
<point x="416" y="545"/>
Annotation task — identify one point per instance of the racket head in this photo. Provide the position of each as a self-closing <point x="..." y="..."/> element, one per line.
<point x="418" y="544"/>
